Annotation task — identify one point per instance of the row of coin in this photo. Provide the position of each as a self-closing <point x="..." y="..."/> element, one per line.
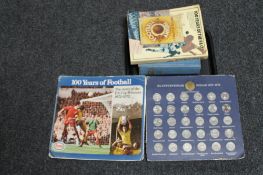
<point x="200" y="133"/>
<point x="201" y="146"/>
<point x="199" y="121"/>
<point x="211" y="96"/>
<point x="212" y="108"/>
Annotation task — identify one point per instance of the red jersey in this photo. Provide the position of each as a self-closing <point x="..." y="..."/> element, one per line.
<point x="71" y="112"/>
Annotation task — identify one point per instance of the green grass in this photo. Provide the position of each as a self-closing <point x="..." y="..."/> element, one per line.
<point x="86" y="149"/>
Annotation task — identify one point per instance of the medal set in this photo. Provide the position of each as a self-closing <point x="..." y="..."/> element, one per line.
<point x="193" y="118"/>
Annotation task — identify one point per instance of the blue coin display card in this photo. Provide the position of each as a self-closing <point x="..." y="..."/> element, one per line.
<point x="99" y="118"/>
<point x="193" y="118"/>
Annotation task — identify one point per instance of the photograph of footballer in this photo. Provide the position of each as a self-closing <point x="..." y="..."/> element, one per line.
<point x="123" y="144"/>
<point x="83" y="121"/>
<point x="127" y="126"/>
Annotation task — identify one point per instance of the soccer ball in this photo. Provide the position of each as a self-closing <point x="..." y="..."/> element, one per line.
<point x="123" y="120"/>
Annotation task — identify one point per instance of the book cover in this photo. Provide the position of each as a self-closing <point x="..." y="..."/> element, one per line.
<point x="99" y="118"/>
<point x="166" y="35"/>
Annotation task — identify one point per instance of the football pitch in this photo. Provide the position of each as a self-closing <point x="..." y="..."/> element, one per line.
<point x="86" y="149"/>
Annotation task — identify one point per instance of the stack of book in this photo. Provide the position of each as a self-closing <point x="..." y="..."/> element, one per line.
<point x="167" y="41"/>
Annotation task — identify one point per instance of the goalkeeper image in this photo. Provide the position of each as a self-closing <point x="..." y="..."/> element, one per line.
<point x="123" y="144"/>
<point x="124" y="131"/>
<point x="92" y="130"/>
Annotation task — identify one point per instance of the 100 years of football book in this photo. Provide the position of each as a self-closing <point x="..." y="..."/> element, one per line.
<point x="99" y="118"/>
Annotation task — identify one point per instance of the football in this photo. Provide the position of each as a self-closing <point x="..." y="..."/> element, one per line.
<point x="123" y="120"/>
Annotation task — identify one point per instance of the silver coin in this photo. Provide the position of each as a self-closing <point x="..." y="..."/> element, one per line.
<point x="170" y="96"/>
<point x="158" y="147"/>
<point x="230" y="146"/>
<point x="213" y="120"/>
<point x="226" y="108"/>
<point x="201" y="146"/>
<point x="185" y="121"/>
<point x="187" y="147"/>
<point x="198" y="108"/>
<point x="172" y="134"/>
<point x="157" y="122"/>
<point x="198" y="96"/>
<point x="172" y="147"/>
<point x="200" y="133"/>
<point x="211" y="96"/>
<point x="157" y="109"/>
<point x="184" y="109"/>
<point x="184" y="96"/>
<point x="227" y="120"/>
<point x="171" y="121"/>
<point x="158" y="134"/>
<point x="214" y="133"/>
<point x="157" y="97"/>
<point x="216" y="146"/>
<point x="186" y="134"/>
<point x="199" y="121"/>
<point x="229" y="133"/>
<point x="212" y="108"/>
<point x="170" y="109"/>
<point x="225" y="96"/>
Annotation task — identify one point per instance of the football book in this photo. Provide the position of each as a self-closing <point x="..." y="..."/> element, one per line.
<point x="166" y="35"/>
<point x="99" y="118"/>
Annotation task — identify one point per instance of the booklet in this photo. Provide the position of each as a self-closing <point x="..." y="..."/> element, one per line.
<point x="166" y="35"/>
<point x="99" y="118"/>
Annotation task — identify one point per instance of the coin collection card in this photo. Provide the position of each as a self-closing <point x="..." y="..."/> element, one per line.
<point x="166" y="35"/>
<point x="193" y="118"/>
<point x="99" y="118"/>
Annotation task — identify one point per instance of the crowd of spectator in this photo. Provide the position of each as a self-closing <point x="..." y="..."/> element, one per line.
<point x="76" y="97"/>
